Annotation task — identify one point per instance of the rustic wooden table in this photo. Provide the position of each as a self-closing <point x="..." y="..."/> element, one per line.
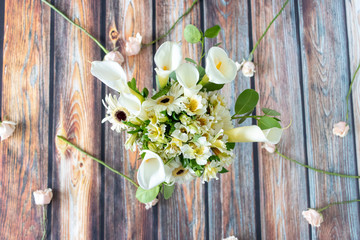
<point x="304" y="69"/>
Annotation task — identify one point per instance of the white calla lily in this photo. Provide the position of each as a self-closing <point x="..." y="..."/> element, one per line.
<point x="111" y="74"/>
<point x="188" y="76"/>
<point x="167" y="59"/>
<point x="219" y="67"/>
<point x="131" y="103"/>
<point x="151" y="171"/>
<point x="254" y="134"/>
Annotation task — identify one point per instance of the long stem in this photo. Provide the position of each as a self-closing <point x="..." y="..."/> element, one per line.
<point x="348" y="94"/>
<point x="256" y="117"/>
<point x="272" y="21"/>
<point x="75" y="24"/>
<point x="173" y="26"/>
<point x="337" y="203"/>
<point x="315" y="169"/>
<point x="97" y="160"/>
<point x="44" y="208"/>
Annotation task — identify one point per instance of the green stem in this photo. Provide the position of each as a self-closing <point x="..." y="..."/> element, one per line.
<point x="173" y="26"/>
<point x="315" y="169"/>
<point x="337" y="203"/>
<point x="97" y="160"/>
<point x="348" y="94"/>
<point x="44" y="222"/>
<point x="272" y="21"/>
<point x="77" y="25"/>
<point x="202" y="54"/>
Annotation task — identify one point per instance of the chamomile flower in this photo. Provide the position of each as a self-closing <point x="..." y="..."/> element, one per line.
<point x="177" y="173"/>
<point x="116" y="114"/>
<point x="210" y="171"/>
<point x="195" y="105"/>
<point x="171" y="102"/>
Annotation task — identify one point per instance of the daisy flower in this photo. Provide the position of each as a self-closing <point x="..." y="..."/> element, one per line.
<point x="116" y="114"/>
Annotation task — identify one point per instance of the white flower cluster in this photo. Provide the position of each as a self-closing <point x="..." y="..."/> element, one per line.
<point x="185" y="129"/>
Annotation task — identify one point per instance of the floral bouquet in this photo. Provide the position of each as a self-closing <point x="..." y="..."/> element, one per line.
<point x="185" y="129"/>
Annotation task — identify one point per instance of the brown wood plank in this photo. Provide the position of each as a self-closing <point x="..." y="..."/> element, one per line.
<point x="232" y="199"/>
<point x="125" y="216"/>
<point x="283" y="185"/>
<point x="326" y="82"/>
<point x="183" y="216"/>
<point x="353" y="30"/>
<point x="77" y="94"/>
<point x="25" y="100"/>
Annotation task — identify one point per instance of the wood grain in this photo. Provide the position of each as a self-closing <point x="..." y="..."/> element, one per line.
<point x="283" y="185"/>
<point x="325" y="83"/>
<point x="353" y="30"/>
<point x="76" y="178"/>
<point x="125" y="216"/>
<point x="24" y="99"/>
<point x="183" y="216"/>
<point x="232" y="199"/>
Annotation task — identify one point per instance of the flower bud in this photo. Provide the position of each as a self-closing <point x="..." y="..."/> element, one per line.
<point x="7" y="128"/>
<point x="133" y="46"/>
<point x="341" y="129"/>
<point x="43" y="197"/>
<point x="313" y="217"/>
<point x="247" y="68"/>
<point x="151" y="204"/>
<point x="114" y="56"/>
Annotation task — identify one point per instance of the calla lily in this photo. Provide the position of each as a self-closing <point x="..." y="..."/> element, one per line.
<point x="151" y="171"/>
<point x="112" y="75"/>
<point x="131" y="103"/>
<point x="254" y="134"/>
<point x="188" y="76"/>
<point x="167" y="59"/>
<point x="219" y="67"/>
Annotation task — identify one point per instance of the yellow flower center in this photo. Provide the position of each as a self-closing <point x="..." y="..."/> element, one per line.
<point x="218" y="65"/>
<point x="180" y="171"/>
<point x="193" y="105"/>
<point x="165" y="100"/>
<point x="165" y="68"/>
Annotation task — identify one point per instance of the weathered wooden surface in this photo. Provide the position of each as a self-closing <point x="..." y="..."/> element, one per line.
<point x="304" y="68"/>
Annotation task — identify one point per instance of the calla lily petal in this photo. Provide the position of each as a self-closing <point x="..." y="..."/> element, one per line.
<point x="254" y="134"/>
<point x="167" y="58"/>
<point x="131" y="103"/>
<point x="219" y="67"/>
<point x="111" y="74"/>
<point x="188" y="76"/>
<point x="151" y="171"/>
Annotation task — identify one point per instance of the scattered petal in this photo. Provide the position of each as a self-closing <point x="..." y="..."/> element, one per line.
<point x="151" y="204"/>
<point x="231" y="238"/>
<point x="7" y="128"/>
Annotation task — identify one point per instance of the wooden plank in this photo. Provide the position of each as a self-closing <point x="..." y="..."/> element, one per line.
<point x="25" y="100"/>
<point x="76" y="178"/>
<point x="183" y="216"/>
<point x="232" y="199"/>
<point x="326" y="81"/>
<point x="125" y="216"/>
<point x="283" y="185"/>
<point x="353" y="30"/>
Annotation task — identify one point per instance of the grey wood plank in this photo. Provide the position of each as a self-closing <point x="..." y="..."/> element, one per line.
<point x="125" y="216"/>
<point x="325" y="84"/>
<point x="232" y="199"/>
<point x="183" y="216"/>
<point x="283" y="185"/>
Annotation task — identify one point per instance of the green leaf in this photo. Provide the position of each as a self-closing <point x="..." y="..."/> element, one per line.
<point x="132" y="85"/>
<point x="266" y="122"/>
<point x="190" y="60"/>
<point x="246" y="101"/>
<point x="223" y="170"/>
<point x="230" y="146"/>
<point x="217" y="44"/>
<point x="146" y="196"/>
<point x="201" y="71"/>
<point x="214" y="158"/>
<point x="168" y="191"/>
<point x="213" y="86"/>
<point x="162" y="92"/>
<point x="213" y="31"/>
<point x="270" y="112"/>
<point x="145" y="92"/>
<point x="192" y="34"/>
<point x="173" y="75"/>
